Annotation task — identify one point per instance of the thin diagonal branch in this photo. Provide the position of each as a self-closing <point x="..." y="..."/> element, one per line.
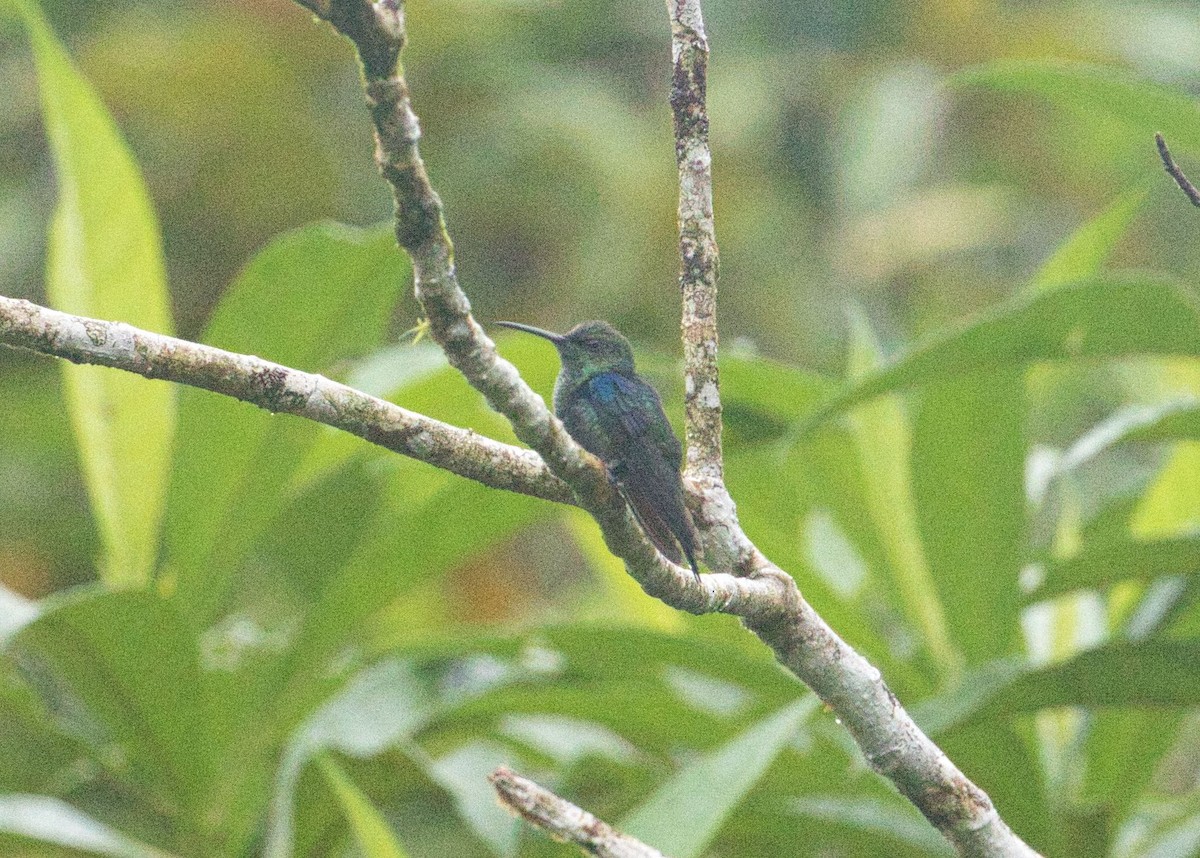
<point x="377" y="30"/>
<point x="284" y="390"/>
<point x="893" y="744"/>
<point x="697" y="239"/>
<point x="766" y="598"/>
<point x="281" y="390"/>
<point x="564" y="821"/>
<point x="1185" y="185"/>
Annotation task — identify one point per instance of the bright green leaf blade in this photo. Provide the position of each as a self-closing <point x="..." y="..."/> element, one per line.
<point x="1104" y="565"/>
<point x="683" y="816"/>
<point x="1105" y="317"/>
<point x="312" y="297"/>
<point x="373" y="835"/>
<point x="883" y="436"/>
<point x="119" y="670"/>
<point x="1084" y="253"/>
<point x="968" y="481"/>
<point x="104" y="259"/>
<point x="51" y="820"/>
<point x="1143" y="106"/>
<point x="1171" y="504"/>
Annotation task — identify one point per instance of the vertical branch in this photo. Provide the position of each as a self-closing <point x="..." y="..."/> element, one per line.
<point x="764" y="595"/>
<point x="697" y="239"/>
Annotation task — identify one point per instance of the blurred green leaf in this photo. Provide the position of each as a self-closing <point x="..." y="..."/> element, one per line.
<point x="1104" y="317"/>
<point x="875" y="818"/>
<point x="1142" y="673"/>
<point x="123" y="673"/>
<point x="1142" y="106"/>
<point x="637" y="683"/>
<point x="686" y="812"/>
<point x="372" y="834"/>
<point x="313" y="297"/>
<point x="883" y="436"/>
<point x="1103" y="565"/>
<point x="380" y="705"/>
<point x="761" y="399"/>
<point x="104" y="259"/>
<point x="1146" y="673"/>
<point x="1175" y="420"/>
<point x="50" y="820"/>
<point x="428" y="524"/>
<point x="1084" y="253"/>
<point x="185" y="722"/>
<point x="968" y="483"/>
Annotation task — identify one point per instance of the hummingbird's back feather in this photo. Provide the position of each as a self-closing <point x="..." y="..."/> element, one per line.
<point x="620" y="418"/>
<point x="615" y="415"/>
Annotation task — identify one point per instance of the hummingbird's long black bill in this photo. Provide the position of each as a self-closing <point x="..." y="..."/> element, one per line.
<point x="529" y="329"/>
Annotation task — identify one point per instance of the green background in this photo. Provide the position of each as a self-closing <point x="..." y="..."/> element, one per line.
<point x="960" y="343"/>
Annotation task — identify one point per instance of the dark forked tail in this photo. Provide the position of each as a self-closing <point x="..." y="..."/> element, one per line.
<point x="660" y="511"/>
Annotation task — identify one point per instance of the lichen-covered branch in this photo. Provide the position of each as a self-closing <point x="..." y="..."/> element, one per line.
<point x="283" y="390"/>
<point x="377" y="30"/>
<point x="765" y="596"/>
<point x="697" y="239"/>
<point x="279" y="389"/>
<point x="564" y="821"/>
<point x="1173" y="170"/>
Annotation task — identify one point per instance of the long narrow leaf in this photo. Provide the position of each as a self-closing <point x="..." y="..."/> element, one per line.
<point x="371" y="832"/>
<point x="1147" y="673"/>
<point x="683" y="816"/>
<point x="105" y="259"/>
<point x="1107" y="564"/>
<point x="883" y="436"/>
<point x="51" y="820"/>
<point x="1104" y="317"/>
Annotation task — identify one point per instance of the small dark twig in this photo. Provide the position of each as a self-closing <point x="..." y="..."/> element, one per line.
<point x="564" y="821"/>
<point x="1175" y="173"/>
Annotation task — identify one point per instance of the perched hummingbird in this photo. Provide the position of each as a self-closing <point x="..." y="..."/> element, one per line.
<point x="611" y="412"/>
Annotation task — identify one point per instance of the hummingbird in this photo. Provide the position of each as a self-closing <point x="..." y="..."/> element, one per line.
<point x="614" y="414"/>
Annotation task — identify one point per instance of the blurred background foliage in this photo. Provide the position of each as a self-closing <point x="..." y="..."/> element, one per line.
<point x="961" y="393"/>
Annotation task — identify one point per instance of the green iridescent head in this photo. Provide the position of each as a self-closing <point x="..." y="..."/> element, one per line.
<point x="592" y="345"/>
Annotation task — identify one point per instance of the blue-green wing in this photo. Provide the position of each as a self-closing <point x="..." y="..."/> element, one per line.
<point x="620" y="419"/>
